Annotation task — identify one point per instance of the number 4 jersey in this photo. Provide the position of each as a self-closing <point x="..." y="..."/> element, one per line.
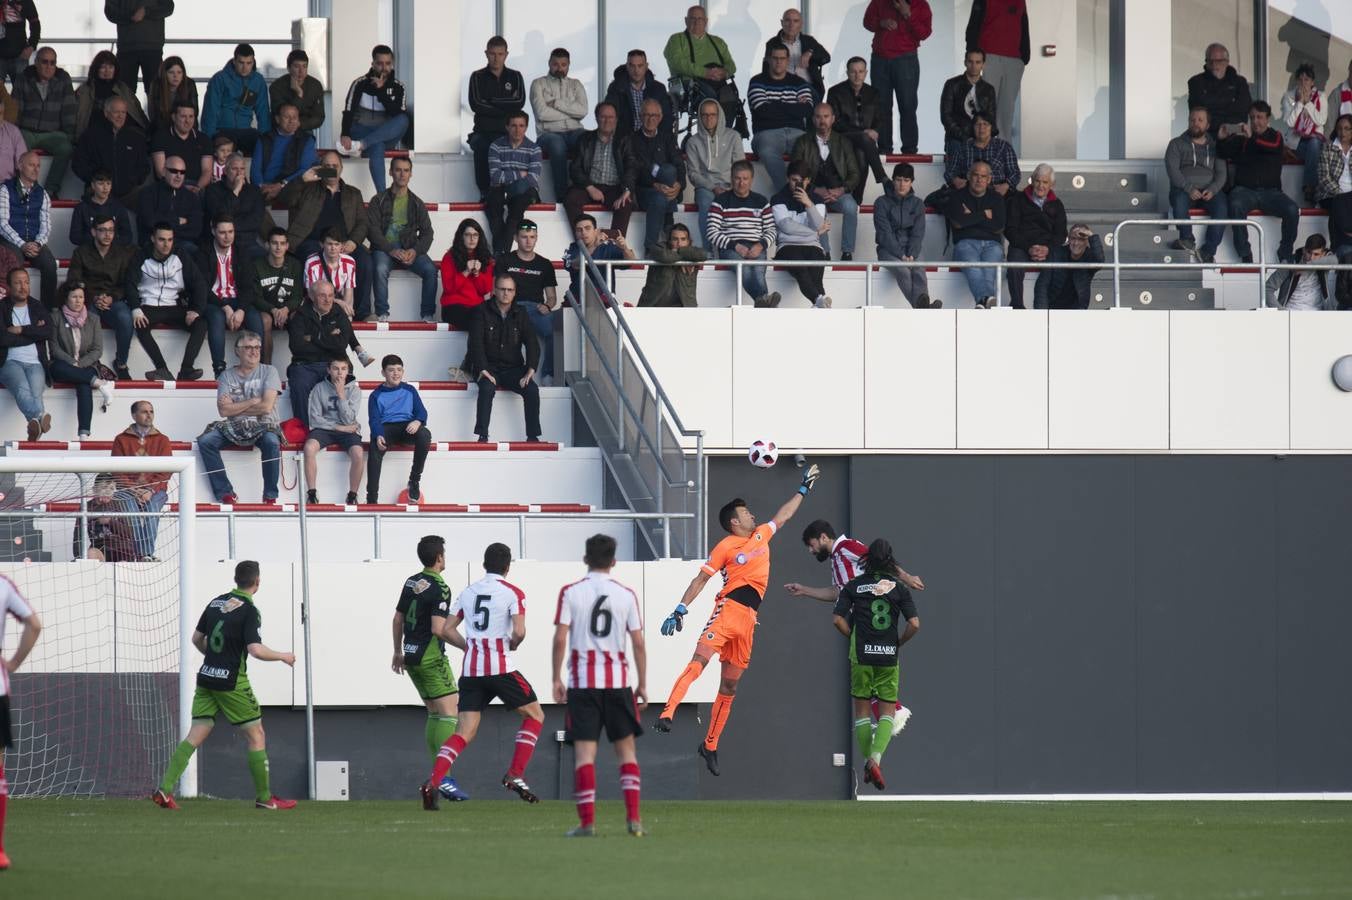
<point x="599" y="612"/>
<point x="874" y="604"/>
<point x="230" y="623"/>
<point x="487" y="606"/>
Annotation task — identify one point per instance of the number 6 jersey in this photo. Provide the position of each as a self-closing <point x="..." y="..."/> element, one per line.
<point x="599" y="612"/>
<point x="487" y="606"/>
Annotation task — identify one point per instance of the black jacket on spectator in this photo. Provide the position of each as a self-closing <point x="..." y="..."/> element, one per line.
<point x="497" y="342"/>
<point x="390" y="97"/>
<point x="966" y="214"/>
<point x="37" y="333"/>
<point x="1257" y="160"/>
<point x="856" y="112"/>
<point x="82" y="221"/>
<point x="147" y="33"/>
<point x="1227" y="99"/>
<point x="310" y="100"/>
<point x="1055" y="286"/>
<point x="974" y="31"/>
<point x="145" y="265"/>
<point x="316" y="338"/>
<point x="159" y="202"/>
<point x="584" y="154"/>
<point x="492" y="98"/>
<point x="953" y="105"/>
<point x="13" y="42"/>
<point x="123" y="154"/>
<point x="102" y="274"/>
<point x="641" y="153"/>
<point x="617" y="93"/>
<point x="54" y="112"/>
<point x="1026" y="224"/>
<point x="807" y="43"/>
<point x="248" y="209"/>
<point x="241" y="266"/>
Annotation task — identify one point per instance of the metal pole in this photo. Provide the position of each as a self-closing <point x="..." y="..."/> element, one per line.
<point x="229" y="535"/>
<point x="1117" y="248"/>
<point x="601" y="67"/>
<point x="187" y="560"/>
<point x="701" y="484"/>
<point x="738" y="269"/>
<point x="868" y="284"/>
<point x="305" y="627"/>
<point x="619" y="386"/>
<point x="378" y="519"/>
<point x="999" y="283"/>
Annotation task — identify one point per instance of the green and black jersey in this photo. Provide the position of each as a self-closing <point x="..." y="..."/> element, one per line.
<point x="875" y="604"/>
<point x="230" y="623"/>
<point x="425" y="595"/>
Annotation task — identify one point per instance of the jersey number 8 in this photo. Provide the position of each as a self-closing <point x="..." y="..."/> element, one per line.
<point x="601" y="619"/>
<point x="882" y="614"/>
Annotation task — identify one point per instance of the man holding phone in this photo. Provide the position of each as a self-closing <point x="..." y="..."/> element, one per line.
<point x="326" y="202"/>
<point x="800" y="223"/>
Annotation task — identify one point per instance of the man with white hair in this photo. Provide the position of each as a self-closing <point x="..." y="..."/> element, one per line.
<point x="1035" y="223"/>
<point x="26" y="222"/>
<point x="1221" y="90"/>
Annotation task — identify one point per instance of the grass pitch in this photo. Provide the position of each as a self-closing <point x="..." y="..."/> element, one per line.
<point x="220" y="848"/>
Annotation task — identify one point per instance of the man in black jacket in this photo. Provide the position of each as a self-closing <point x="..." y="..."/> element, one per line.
<point x="171" y="201"/>
<point x="319" y="333"/>
<point x="243" y="202"/>
<point x="165" y="286"/>
<point x="494" y="92"/>
<point x="964" y="96"/>
<point x="226" y="271"/>
<point x="1221" y="90"/>
<point x="977" y="216"/>
<point x="634" y="83"/>
<point x="503" y="354"/>
<point x="860" y="118"/>
<point x="806" y="55"/>
<point x="140" y="37"/>
<point x="1035" y="226"/>
<point x="115" y="145"/>
<point x="654" y="171"/>
<point x="596" y="171"/>
<point x="1256" y="149"/>
<point x="1069" y="288"/>
<point x="374" y="115"/>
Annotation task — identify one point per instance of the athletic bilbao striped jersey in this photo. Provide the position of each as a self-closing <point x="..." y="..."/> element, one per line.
<point x="599" y="612"/>
<point x="845" y="555"/>
<point x="487" y="606"/>
<point x="13" y="604"/>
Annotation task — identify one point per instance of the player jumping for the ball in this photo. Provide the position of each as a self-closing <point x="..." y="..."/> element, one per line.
<point x="743" y="558"/>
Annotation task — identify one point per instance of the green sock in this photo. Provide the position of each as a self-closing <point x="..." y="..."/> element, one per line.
<point x="177" y="763"/>
<point x="881" y="738"/>
<point x="863" y="735"/>
<point x="439" y="731"/>
<point x="258" y="768"/>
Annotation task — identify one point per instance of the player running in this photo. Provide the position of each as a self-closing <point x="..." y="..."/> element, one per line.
<point x="743" y="558"/>
<point x="12" y="603"/>
<point x="227" y="635"/>
<point x="593" y="618"/>
<point x="494" y="613"/>
<point x="420" y="622"/>
<point x="867" y="612"/>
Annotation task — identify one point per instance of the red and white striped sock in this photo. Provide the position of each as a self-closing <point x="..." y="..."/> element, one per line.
<point x="584" y="792"/>
<point x="630" y="784"/>
<point x="525" y="746"/>
<point x="446" y="757"/>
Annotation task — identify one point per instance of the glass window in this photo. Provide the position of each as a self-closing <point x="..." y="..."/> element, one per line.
<point x="1308" y="32"/>
<point x="571" y="25"/>
<point x="1197" y="24"/>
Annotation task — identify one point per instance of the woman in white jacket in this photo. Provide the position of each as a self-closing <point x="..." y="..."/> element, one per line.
<point x="710" y="152"/>
<point x="1306" y="114"/>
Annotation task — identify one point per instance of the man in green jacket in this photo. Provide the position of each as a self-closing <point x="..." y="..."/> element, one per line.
<point x="836" y="173"/>
<point x="705" y="58"/>
<point x="670" y="284"/>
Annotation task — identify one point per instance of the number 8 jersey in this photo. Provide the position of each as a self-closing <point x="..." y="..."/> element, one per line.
<point x="599" y="612"/>
<point x="487" y="606"/>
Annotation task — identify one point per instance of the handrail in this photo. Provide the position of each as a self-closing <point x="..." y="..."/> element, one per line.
<point x="1117" y="231"/>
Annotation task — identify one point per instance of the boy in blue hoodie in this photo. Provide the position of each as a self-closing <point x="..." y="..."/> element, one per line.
<point x="397" y="416"/>
<point x="236" y="96"/>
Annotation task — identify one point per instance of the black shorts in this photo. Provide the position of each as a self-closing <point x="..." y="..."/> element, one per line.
<point x="6" y="738"/>
<point x="345" y="439"/>
<point x="590" y="708"/>
<point x="477" y="691"/>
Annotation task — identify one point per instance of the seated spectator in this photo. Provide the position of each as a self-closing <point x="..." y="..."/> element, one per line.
<point x="8" y="263"/>
<point x="600" y="246"/>
<point x="781" y="106"/>
<point x="397" y="416"/>
<point x="1256" y="150"/>
<point x="102" y="85"/>
<point x="12" y="147"/>
<point x="400" y="232"/>
<point x="503" y="355"/>
<point x="705" y="60"/>
<point x="1035" y="224"/>
<point x="632" y="84"/>
<point x="101" y="266"/>
<point x="325" y="201"/>
<point x="806" y="55"/>
<point x="169" y="200"/>
<point x="99" y="202"/>
<point x="243" y="202"/>
<point x="320" y="332"/>
<point x="339" y="269"/>
<point x="1221" y="90"/>
<point x="835" y="175"/>
<point x="1296" y="289"/>
<point x="171" y="87"/>
<point x="374" y="115"/>
<point x="23" y="352"/>
<point x="1196" y="178"/>
<point x="741" y="227"/>
<point x="237" y="101"/>
<point x="466" y="274"/>
<point x="495" y="92"/>
<point x="111" y="144"/>
<point x="962" y="97"/>
<point x="859" y="117"/>
<point x="334" y="407"/>
<point x="26" y="222"/>
<point x="75" y="348"/>
<point x="143" y="491"/>
<point x="277" y="287"/>
<point x="899" y="229"/>
<point x="301" y="88"/>
<point x="536" y="291"/>
<point x="1306" y="116"/>
<point x="1335" y="185"/>
<point x="984" y="147"/>
<point x="559" y="104"/>
<point x="108" y="536"/>
<point x="223" y="148"/>
<point x="799" y="226"/>
<point x="47" y="114"/>
<point x="229" y="285"/>
<point x="670" y="284"/>
<point x="514" y="169"/>
<point x="654" y="171"/>
<point x="180" y="138"/>
<point x="596" y="172"/>
<point x="710" y="152"/>
<point x="976" y="216"/>
<point x="284" y="154"/>
<point x="246" y="400"/>
<point x="165" y="287"/>
<point x="1069" y="288"/>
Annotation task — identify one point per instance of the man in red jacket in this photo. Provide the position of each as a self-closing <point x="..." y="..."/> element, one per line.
<point x="898" y="27"/>
<point x="143" y="491"/>
<point x="1000" y="29"/>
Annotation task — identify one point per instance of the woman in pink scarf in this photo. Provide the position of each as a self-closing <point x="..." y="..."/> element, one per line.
<point x="1305" y="114"/>
<point x="76" y="345"/>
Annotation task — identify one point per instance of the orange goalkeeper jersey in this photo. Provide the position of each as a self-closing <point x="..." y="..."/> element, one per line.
<point x="743" y="561"/>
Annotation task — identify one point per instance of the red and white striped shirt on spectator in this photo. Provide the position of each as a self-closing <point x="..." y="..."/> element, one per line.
<point x="487" y="606"/>
<point x="846" y="553"/>
<point x="600" y="613"/>
<point x="224" y="286"/>
<point x="342" y="276"/>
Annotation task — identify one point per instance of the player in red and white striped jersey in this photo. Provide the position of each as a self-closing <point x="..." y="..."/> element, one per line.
<point x="12" y="603"/>
<point x="595" y="619"/>
<point x="493" y="612"/>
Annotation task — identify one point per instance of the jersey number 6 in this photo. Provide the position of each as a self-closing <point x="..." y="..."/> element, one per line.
<point x="601" y="619"/>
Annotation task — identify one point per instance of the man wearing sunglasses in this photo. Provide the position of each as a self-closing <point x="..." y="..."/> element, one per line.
<point x="170" y="200"/>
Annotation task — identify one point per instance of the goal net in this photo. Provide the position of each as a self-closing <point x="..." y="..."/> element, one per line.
<point x="97" y="547"/>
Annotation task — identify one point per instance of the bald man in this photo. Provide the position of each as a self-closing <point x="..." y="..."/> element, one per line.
<point x="26" y="222"/>
<point x="171" y="200"/>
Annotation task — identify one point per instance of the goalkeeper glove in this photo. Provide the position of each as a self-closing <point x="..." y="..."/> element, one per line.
<point x="809" y="479"/>
<point x="676" y="621"/>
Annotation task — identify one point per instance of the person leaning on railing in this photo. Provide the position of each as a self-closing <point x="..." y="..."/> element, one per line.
<point x="1069" y="288"/>
<point x="669" y="284"/>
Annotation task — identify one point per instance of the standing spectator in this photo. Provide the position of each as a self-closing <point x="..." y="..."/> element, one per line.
<point x="1069" y="288"/>
<point x="1220" y="89"/>
<point x="302" y="89"/>
<point x="495" y="92"/>
<point x="397" y="416"/>
<point x="243" y="202"/>
<point x="1305" y="115"/>
<point x="560" y="105"/>
<point x="964" y="96"/>
<point x="835" y="175"/>
<point x="1335" y="184"/>
<point x="976" y="215"/>
<point x="536" y="291"/>
<point x="324" y="202"/>
<point x="102" y="265"/>
<point x="339" y="269"/>
<point x="400" y="232"/>
<point x="503" y="355"/>
<point x="600" y="246"/>
<point x="284" y="154"/>
<point x="47" y="113"/>
<point x="171" y="87"/>
<point x="169" y="200"/>
<point x="806" y="55"/>
<point x="237" y="101"/>
<point x="99" y="202"/>
<point x="165" y="287"/>
<point x="514" y="168"/>
<point x="654" y="171"/>
<point x="596" y="172"/>
<point x="26" y="328"/>
<point x="1256" y="151"/>
<point x="741" y="227"/>
<point x="899" y="229"/>
<point x="114" y="145"/>
<point x="180" y="137"/>
<point x="466" y="274"/>
<point x="320" y="333"/>
<point x="670" y="284"/>
<point x="634" y="83"/>
<point x="26" y="222"/>
<point x="20" y="32"/>
<point x="277" y="287"/>
<point x="985" y="147"/>
<point x="76" y="345"/>
<point x="334" y="407"/>
<point x="12" y="147"/>
<point x="711" y="150"/>
<point x="1340" y="98"/>
<point x="781" y="105"/>
<point x="246" y="400"/>
<point x="1196" y="177"/>
<point x="1035" y="225"/>
<point x="143" y="491"/>
<point x="374" y="114"/>
<point x="705" y="60"/>
<point x="1000" y="29"/>
<point x="140" y="35"/>
<point x="899" y="27"/>
<point x="859" y="117"/>
<point x="1304" y="290"/>
<point x="800" y="224"/>
<point x="102" y="85"/>
<point x="230" y="304"/>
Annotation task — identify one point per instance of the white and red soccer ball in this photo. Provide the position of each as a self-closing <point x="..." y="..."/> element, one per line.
<point x="763" y="454"/>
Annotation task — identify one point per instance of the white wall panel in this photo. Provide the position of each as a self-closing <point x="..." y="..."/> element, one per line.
<point x="278" y="602"/>
<point x="910" y="392"/>
<point x="691" y="351"/>
<point x="1228" y="387"/>
<point x="1002" y="379"/>
<point x="664" y="583"/>
<point x="1321" y="415"/>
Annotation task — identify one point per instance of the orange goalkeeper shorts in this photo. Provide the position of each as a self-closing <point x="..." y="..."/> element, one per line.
<point x="730" y="632"/>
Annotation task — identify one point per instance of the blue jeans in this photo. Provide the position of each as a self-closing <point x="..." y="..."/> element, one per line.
<point x="215" y="316"/>
<point x="556" y="145"/>
<point x="1309" y="150"/>
<point x="301" y="378"/>
<point x="26" y="381"/>
<point x="899" y="75"/>
<point x="1272" y="202"/>
<point x="753" y="277"/>
<point x="1216" y="208"/>
<point x="704" y="198"/>
<point x="423" y="267"/>
<point x="118" y="318"/>
<point x="543" y="323"/>
<point x="373" y="140"/>
<point x="209" y="447"/>
<point x="84" y="394"/>
<point x="145" y="528"/>
<point x="656" y="205"/>
<point x="772" y="145"/>
<point x="849" y="225"/>
<point x="981" y="282"/>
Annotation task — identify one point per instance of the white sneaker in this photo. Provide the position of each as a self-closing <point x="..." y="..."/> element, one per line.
<point x="823" y="302"/>
<point x="106" y="390"/>
<point x="429" y="320"/>
<point x="355" y="150"/>
<point x="458" y="375"/>
<point x="899" y="720"/>
<point x="365" y="357"/>
<point x="384" y="318"/>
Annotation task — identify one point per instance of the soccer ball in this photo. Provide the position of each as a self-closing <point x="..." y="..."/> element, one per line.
<point x="763" y="454"/>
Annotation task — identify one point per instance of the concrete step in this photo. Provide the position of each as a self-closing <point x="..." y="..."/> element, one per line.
<point x="1070" y="182"/>
<point x="1182" y="290"/>
<point x="1125" y="202"/>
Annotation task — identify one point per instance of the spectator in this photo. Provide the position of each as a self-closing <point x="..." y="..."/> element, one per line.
<point x="1305" y="115"/>
<point x="320" y="332"/>
<point x="223" y="148"/>
<point x="99" y="202"/>
<point x="76" y="346"/>
<point x="984" y="147"/>
<point x="325" y="201"/>
<point x="169" y="200"/>
<point x="21" y="32"/>
<point x="976" y="215"/>
<point x="301" y="88"/>
<point x="536" y="291"/>
<point x="806" y="55"/>
<point x="654" y="171"/>
<point x="600" y="246"/>
<point x="243" y="202"/>
<point x="964" y="96"/>
<point x="339" y="269"/>
<point x="495" y="92"/>
<point x="374" y="114"/>
<point x="334" y="406"/>
<point x="670" y="284"/>
<point x="140" y="35"/>
<point x="1069" y="288"/>
<point x="26" y="222"/>
<point x="560" y="105"/>
<point x="503" y="355"/>
<point x="1001" y="31"/>
<point x="899" y="27"/>
<point x="1222" y="90"/>
<point x="143" y="491"/>
<point x="277" y="287"/>
<point x="1256" y="151"/>
<point x="400" y="232"/>
<point x="237" y="101"/>
<point x="711" y="150"/>
<point x="1335" y="184"/>
<point x="47" y="114"/>
<point x="1196" y="177"/>
<point x="781" y="105"/>
<point x="466" y="274"/>
<point x="1296" y="289"/>
<point x="634" y="83"/>
<point x="397" y="416"/>
<point x="514" y="169"/>
<point x="230" y="304"/>
<point x="800" y="224"/>
<point x="859" y="117"/>
<point x="23" y="352"/>
<point x="109" y="535"/>
<point x="112" y="144"/>
<point x="284" y="154"/>
<point x="741" y="227"/>
<point x="171" y="88"/>
<point x="704" y="59"/>
<point x="165" y="287"/>
<point x="1340" y="99"/>
<point x="1035" y="224"/>
<point x="12" y="147"/>
<point x="835" y="174"/>
<point x="246" y="400"/>
<point x="101" y="265"/>
<point x="101" y="85"/>
<point x="899" y="229"/>
<point x="8" y="263"/>
<point x="596" y="172"/>
<point x="181" y="138"/>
